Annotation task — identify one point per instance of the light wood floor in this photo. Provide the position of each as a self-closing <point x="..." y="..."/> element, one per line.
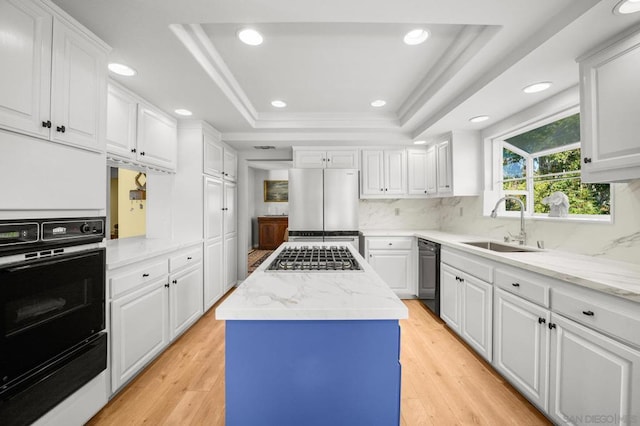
<point x="443" y="382"/>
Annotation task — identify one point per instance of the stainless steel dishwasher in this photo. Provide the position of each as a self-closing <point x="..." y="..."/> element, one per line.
<point x="429" y="274"/>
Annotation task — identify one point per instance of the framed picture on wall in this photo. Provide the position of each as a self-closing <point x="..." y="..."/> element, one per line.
<point x="276" y="191"/>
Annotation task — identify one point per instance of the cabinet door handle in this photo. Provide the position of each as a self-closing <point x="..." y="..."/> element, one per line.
<point x="588" y="313"/>
<point x="46" y="124"/>
<point x="541" y="320"/>
<point x="145" y="275"/>
<point x="61" y="129"/>
<point x="551" y="326"/>
<point x="586" y="160"/>
<point x="515" y="284"/>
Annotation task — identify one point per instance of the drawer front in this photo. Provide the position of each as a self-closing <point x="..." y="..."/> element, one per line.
<point x="524" y="285"/>
<point x="392" y="243"/>
<point x="469" y="264"/>
<point x="618" y="321"/>
<point x="122" y="283"/>
<point x="181" y="260"/>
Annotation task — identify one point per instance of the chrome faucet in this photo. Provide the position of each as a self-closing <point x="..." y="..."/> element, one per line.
<point x="522" y="236"/>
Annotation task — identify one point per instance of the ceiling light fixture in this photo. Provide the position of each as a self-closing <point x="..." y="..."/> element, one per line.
<point x="419" y="142"/>
<point x="121" y="69"/>
<point x="627" y="6"/>
<point x="278" y="103"/>
<point x="416" y="36"/>
<point x="479" y="119"/>
<point x="250" y="36"/>
<point x="537" y="87"/>
<point x="184" y="112"/>
<point x="264" y="147"/>
<point x="378" y="103"/>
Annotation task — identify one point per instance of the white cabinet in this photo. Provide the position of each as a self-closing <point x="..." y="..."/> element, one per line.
<point x="219" y="159"/>
<point x="213" y="272"/>
<point x="321" y="158"/>
<point x="186" y="297"/>
<point x="394" y="259"/>
<point x="454" y="165"/>
<point x="230" y="235"/>
<point x="53" y="76"/>
<point x="152" y="302"/>
<point x="521" y="345"/>
<point x="466" y="299"/>
<point x="139" y="132"/>
<point x="592" y="376"/>
<point x="417" y="172"/>
<point x="139" y="324"/>
<point x="383" y="173"/>
<point x="609" y="109"/>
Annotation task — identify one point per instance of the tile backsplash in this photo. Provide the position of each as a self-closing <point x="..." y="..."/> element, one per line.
<point x="619" y="240"/>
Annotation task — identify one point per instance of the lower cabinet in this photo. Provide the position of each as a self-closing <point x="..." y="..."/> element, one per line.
<point x="394" y="259"/>
<point x="521" y="345"/>
<point x="214" y="286"/>
<point x="466" y="306"/>
<point x="152" y="303"/>
<point x="594" y="379"/>
<point x="139" y="330"/>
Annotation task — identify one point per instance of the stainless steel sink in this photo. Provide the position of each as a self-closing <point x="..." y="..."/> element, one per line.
<point x="504" y="248"/>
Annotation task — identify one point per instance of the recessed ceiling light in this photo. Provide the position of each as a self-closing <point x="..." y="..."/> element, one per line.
<point x="419" y="142"/>
<point x="182" y="111"/>
<point x="250" y="36"/>
<point x="279" y="104"/>
<point x="378" y="103"/>
<point x="416" y="36"/>
<point x="479" y="119"/>
<point x="537" y="87"/>
<point x="122" y="69"/>
<point x="627" y="6"/>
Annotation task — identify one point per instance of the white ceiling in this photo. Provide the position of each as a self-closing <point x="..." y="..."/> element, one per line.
<point x="328" y="60"/>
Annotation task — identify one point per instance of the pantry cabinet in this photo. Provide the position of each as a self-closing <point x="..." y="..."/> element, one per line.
<point x="53" y="82"/>
<point x="139" y="132"/>
<point x="395" y="260"/>
<point x="219" y="159"/>
<point x="383" y="173"/>
<point x="609" y="109"/>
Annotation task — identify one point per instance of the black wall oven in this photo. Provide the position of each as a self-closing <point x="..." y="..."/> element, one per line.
<point x="52" y="313"/>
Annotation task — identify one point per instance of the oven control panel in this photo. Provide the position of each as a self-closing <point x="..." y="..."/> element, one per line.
<point x="18" y="233"/>
<point x="65" y="229"/>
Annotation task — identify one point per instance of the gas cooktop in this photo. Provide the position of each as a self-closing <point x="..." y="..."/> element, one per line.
<point x="315" y="259"/>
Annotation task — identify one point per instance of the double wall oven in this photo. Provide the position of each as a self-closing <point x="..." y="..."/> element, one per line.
<point x="52" y="313"/>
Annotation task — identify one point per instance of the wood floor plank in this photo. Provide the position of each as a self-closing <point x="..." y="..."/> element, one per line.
<point x="443" y="381"/>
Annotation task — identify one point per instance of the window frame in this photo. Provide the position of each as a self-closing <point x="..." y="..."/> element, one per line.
<point x="499" y="144"/>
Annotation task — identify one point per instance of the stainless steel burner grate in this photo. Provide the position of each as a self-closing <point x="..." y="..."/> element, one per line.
<point x="315" y="258"/>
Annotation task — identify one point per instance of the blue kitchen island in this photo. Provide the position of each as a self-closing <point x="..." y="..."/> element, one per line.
<point x="312" y="348"/>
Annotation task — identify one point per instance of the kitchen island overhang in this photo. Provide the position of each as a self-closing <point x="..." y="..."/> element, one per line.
<point x="313" y="348"/>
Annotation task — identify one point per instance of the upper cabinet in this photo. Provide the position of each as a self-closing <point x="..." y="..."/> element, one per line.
<point x="53" y="75"/>
<point x="219" y="159"/>
<point x="383" y="173"/>
<point x="418" y="171"/>
<point x="457" y="159"/>
<point x="139" y="132"/>
<point x="609" y="110"/>
<point x="321" y="158"/>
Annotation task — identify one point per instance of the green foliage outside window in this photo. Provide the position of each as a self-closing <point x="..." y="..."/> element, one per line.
<point x="550" y="172"/>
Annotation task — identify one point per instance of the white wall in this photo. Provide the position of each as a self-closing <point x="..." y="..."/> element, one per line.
<point x="262" y="208"/>
<point x="399" y="214"/>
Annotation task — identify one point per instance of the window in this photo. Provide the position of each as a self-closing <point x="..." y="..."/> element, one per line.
<point x="544" y="160"/>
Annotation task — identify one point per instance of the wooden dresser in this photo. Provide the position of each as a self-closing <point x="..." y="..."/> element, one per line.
<point x="271" y="230"/>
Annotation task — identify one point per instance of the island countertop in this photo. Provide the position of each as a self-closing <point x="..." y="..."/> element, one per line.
<point x="309" y="295"/>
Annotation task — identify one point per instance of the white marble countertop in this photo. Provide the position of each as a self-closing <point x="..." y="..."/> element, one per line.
<point x="288" y="295"/>
<point x="125" y="251"/>
<point x="620" y="279"/>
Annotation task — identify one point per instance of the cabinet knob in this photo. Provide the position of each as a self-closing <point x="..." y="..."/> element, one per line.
<point x="328" y="159"/>
<point x="515" y="284"/>
<point x="425" y="191"/>
<point x="189" y="257"/>
<point x="551" y="326"/>
<point x="61" y="129"/>
<point x="541" y="320"/>
<point x="46" y="124"/>
<point x="142" y="153"/>
<point x="381" y="189"/>
<point x="588" y="313"/>
<point x="370" y="255"/>
<point x="133" y="150"/>
<point x="586" y="160"/>
<point x="145" y="275"/>
<point x="446" y="186"/>
<point x="167" y="285"/>
<point x="175" y="281"/>
<point x="390" y="244"/>
<point x="386" y="189"/>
